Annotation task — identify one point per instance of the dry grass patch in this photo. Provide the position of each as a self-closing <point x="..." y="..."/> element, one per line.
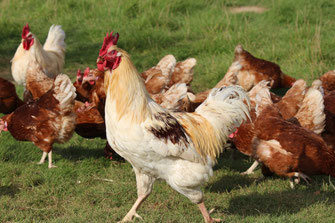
<point x="242" y="9"/>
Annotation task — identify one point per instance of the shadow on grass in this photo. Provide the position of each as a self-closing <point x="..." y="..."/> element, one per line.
<point x="229" y="182"/>
<point x="234" y="160"/>
<point x="277" y="203"/>
<point x="8" y="190"/>
<point x="74" y="153"/>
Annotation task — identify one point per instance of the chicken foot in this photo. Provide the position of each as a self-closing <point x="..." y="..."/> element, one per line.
<point x="205" y="214"/>
<point x="251" y="168"/>
<point x="144" y="187"/>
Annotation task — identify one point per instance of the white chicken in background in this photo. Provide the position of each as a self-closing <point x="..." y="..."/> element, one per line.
<point x="180" y="148"/>
<point x="50" y="57"/>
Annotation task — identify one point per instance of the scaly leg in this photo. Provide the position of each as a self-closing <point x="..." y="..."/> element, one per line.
<point x="44" y="155"/>
<point x="251" y="168"/>
<point x="50" y="160"/>
<point x="144" y="187"/>
<point x="205" y="214"/>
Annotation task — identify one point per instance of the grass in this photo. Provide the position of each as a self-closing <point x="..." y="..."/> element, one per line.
<point x="298" y="35"/>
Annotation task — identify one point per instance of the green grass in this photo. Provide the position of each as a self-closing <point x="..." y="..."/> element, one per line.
<point x="298" y="35"/>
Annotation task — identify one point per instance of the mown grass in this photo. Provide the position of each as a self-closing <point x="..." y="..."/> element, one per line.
<point x="298" y="35"/>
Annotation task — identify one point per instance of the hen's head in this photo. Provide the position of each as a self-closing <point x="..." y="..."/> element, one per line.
<point x="109" y="58"/>
<point x="89" y="76"/>
<point x="79" y="77"/>
<point x="27" y="37"/>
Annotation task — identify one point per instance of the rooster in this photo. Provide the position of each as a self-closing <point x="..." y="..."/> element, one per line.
<point x="180" y="148"/>
<point x="50" y="57"/>
<point x="9" y="100"/>
<point x="47" y="120"/>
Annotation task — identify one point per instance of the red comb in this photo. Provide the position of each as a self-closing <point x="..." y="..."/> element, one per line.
<point x="79" y="73"/>
<point x="25" y="31"/>
<point x="87" y="71"/>
<point x="79" y="76"/>
<point x="109" y="40"/>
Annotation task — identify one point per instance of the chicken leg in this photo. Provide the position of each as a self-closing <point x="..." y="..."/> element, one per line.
<point x="251" y="168"/>
<point x="205" y="214"/>
<point x="49" y="159"/>
<point x="144" y="187"/>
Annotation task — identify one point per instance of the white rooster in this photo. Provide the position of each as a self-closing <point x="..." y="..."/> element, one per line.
<point x="50" y="57"/>
<point x="180" y="148"/>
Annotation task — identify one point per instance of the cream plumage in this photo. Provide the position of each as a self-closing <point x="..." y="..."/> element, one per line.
<point x="50" y="57"/>
<point x="180" y="148"/>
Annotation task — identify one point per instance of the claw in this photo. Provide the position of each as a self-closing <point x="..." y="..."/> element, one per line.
<point x="299" y="176"/>
<point x="130" y="216"/>
<point x="137" y="216"/>
<point x="216" y="220"/>
<point x="247" y="172"/>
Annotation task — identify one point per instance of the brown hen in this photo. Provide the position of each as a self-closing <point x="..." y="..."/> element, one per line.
<point x="253" y="70"/>
<point x="47" y="120"/>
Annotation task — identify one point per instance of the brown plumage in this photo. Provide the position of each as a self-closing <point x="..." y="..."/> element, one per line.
<point x="89" y="123"/>
<point x="287" y="149"/>
<point x="82" y="90"/>
<point x="47" y="120"/>
<point x="37" y="82"/>
<point x="96" y="94"/>
<point x="253" y="70"/>
<point x="243" y="138"/>
<point x="157" y="78"/>
<point x="291" y="101"/>
<point x="310" y="114"/>
<point x="329" y="134"/>
<point x="183" y="72"/>
<point x="9" y="100"/>
<point x="328" y="81"/>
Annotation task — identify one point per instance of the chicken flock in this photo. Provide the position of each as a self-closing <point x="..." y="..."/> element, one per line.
<point x="160" y="126"/>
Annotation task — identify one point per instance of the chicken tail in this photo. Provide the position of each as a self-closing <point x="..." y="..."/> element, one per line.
<point x="230" y="78"/>
<point x="260" y="86"/>
<point x="65" y="92"/>
<point x="292" y="100"/>
<point x="55" y="41"/>
<point x="262" y="100"/>
<point x="167" y="64"/>
<point x="183" y="71"/>
<point x="287" y="81"/>
<point x="225" y="109"/>
<point x="311" y="113"/>
<point x="173" y="98"/>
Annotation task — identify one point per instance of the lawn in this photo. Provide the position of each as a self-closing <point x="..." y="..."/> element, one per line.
<point x="298" y="35"/>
